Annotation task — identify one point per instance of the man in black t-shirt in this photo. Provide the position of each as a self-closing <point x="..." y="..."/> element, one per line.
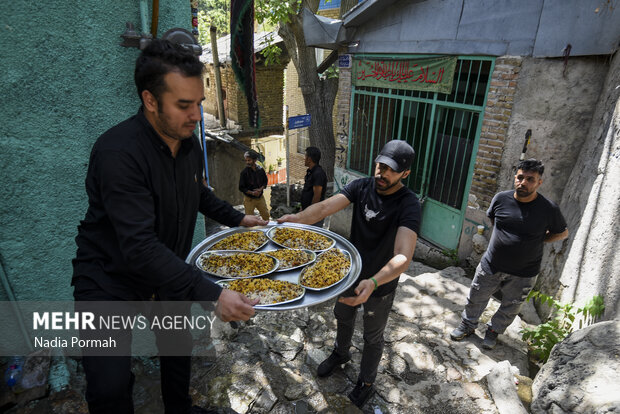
<point x="384" y="229"/>
<point x="315" y="182"/>
<point x="252" y="182"/>
<point x="522" y="221"/>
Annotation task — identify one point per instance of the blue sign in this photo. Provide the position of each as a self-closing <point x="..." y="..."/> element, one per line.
<point x="300" y="121"/>
<point x="344" y="61"/>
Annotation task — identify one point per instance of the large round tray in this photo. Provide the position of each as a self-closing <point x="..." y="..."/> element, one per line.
<point x="311" y="298"/>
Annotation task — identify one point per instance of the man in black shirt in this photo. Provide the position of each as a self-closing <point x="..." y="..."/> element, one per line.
<point x="144" y="187"/>
<point x="522" y="221"/>
<point x="384" y="228"/>
<point x="315" y="183"/>
<point x="252" y="182"/>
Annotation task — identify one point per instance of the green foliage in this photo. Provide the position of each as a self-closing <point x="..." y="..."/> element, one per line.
<point x="451" y="254"/>
<point x="330" y="72"/>
<point x="213" y="13"/>
<point x="565" y="318"/>
<point x="271" y="54"/>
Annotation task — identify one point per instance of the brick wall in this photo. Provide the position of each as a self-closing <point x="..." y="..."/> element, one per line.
<point x="270" y="91"/>
<point x="497" y="114"/>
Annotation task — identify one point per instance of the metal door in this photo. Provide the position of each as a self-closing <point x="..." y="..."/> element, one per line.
<point x="443" y="129"/>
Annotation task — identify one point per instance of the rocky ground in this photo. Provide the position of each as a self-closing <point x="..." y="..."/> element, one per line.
<point x="268" y="364"/>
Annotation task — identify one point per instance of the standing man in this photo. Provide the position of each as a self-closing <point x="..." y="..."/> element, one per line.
<point x="384" y="228"/>
<point x="252" y="182"/>
<point x="522" y="221"/>
<point x="144" y="187"/>
<point x="315" y="182"/>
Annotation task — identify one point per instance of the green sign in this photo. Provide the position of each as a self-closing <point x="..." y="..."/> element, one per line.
<point x="425" y="74"/>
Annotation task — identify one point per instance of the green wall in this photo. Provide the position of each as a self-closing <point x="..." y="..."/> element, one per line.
<point x="64" y="79"/>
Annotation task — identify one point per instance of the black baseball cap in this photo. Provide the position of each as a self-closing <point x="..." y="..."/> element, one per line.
<point x="396" y="154"/>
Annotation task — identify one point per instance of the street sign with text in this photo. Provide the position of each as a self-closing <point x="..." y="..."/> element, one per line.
<point x="299" y="121"/>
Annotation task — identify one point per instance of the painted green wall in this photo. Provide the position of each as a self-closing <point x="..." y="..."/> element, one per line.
<point x="64" y="79"/>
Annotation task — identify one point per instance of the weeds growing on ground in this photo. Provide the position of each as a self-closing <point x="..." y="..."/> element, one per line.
<point x="564" y="319"/>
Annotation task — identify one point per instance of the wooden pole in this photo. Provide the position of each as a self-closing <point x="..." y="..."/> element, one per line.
<point x="218" y="77"/>
<point x="288" y="161"/>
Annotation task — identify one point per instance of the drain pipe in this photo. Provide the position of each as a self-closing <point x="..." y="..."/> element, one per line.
<point x="155" y="18"/>
<point x="13" y="300"/>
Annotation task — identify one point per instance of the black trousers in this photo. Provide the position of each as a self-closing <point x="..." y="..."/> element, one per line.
<point x="109" y="380"/>
<point x="376" y="314"/>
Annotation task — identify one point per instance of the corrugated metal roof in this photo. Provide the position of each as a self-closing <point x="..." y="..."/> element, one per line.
<point x="539" y="28"/>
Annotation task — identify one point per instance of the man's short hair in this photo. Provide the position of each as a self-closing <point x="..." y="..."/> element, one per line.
<point x="159" y="58"/>
<point x="251" y="154"/>
<point x="532" y="165"/>
<point x="314" y="153"/>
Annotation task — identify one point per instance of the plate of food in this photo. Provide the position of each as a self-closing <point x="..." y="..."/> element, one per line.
<point x="298" y="238"/>
<point x="269" y="292"/>
<point x="251" y="240"/>
<point x="291" y="258"/>
<point x="230" y="264"/>
<point x="330" y="268"/>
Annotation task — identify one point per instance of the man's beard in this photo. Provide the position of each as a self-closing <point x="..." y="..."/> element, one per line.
<point x="388" y="185"/>
<point x="522" y="192"/>
<point x="164" y="126"/>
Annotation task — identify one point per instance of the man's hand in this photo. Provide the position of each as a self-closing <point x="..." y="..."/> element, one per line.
<point x="233" y="306"/>
<point x="250" y="220"/>
<point x="363" y="291"/>
<point x="291" y="218"/>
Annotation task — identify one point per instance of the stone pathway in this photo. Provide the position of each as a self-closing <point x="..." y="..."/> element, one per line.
<point x="268" y="364"/>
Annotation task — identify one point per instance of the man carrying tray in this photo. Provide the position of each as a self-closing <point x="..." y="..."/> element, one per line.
<point x="384" y="229"/>
<point x="144" y="187"/>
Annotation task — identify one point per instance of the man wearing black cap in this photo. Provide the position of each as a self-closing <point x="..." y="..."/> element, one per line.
<point x="384" y="229"/>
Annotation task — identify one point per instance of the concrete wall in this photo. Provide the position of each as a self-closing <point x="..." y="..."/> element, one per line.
<point x="558" y="109"/>
<point x="588" y="262"/>
<point x="65" y="80"/>
<point x="225" y="165"/>
<point x="530" y="93"/>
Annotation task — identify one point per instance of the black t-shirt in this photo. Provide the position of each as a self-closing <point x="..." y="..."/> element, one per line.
<point x="314" y="176"/>
<point x="376" y="219"/>
<point x="516" y="245"/>
<point x="142" y="208"/>
<point x="250" y="179"/>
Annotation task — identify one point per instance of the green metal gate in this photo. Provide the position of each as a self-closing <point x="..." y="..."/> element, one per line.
<point x="443" y="129"/>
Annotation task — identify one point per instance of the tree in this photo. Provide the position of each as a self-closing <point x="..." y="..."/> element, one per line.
<point x="212" y="13"/>
<point x="318" y="91"/>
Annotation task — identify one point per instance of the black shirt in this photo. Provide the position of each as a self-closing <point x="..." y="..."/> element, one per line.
<point x="376" y="219"/>
<point x="314" y="176"/>
<point x="251" y="180"/>
<point x="142" y="209"/>
<point x="516" y="245"/>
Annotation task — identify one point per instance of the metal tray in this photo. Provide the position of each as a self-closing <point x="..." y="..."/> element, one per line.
<point x="276" y="263"/>
<point x="279" y="269"/>
<point x="222" y="283"/>
<point x="301" y="273"/>
<point x="311" y="298"/>
<point x="312" y="229"/>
